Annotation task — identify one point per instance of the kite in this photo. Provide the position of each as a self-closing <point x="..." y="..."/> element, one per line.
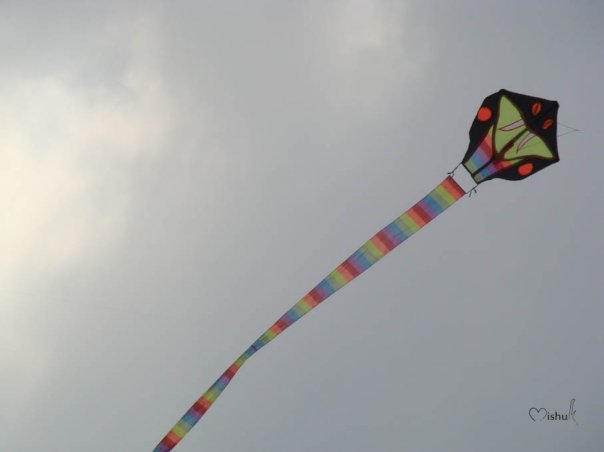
<point x="512" y="137"/>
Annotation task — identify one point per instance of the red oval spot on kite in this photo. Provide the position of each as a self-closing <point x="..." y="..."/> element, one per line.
<point x="526" y="169"/>
<point x="547" y="124"/>
<point x="484" y="114"/>
<point x="536" y="108"/>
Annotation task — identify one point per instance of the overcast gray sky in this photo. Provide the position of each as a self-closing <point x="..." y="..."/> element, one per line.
<point x="175" y="175"/>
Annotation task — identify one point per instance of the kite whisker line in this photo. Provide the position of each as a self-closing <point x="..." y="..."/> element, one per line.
<point x="568" y="132"/>
<point x="574" y="129"/>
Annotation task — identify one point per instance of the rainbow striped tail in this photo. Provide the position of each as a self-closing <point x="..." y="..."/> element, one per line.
<point x="436" y="202"/>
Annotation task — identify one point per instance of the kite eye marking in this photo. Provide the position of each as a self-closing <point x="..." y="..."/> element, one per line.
<point x="512" y="126"/>
<point x="484" y="114"/>
<point x="536" y="108"/>
<point x="525" y="169"/>
<point x="547" y="124"/>
<point x="524" y="141"/>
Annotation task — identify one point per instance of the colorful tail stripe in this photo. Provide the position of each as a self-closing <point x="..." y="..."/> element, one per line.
<point x="492" y="168"/>
<point x="482" y="155"/>
<point x="439" y="199"/>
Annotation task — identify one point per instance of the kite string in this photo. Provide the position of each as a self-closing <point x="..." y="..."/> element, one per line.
<point x="574" y="129"/>
<point x="452" y="173"/>
<point x="571" y="130"/>
<point x="474" y="189"/>
<point x="568" y="132"/>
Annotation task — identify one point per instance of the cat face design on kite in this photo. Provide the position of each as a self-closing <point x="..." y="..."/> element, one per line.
<point x="512" y="137"/>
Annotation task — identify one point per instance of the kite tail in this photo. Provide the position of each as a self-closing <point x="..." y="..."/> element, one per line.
<point x="437" y="201"/>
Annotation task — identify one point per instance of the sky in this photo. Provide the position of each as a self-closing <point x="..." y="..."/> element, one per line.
<point x="175" y="175"/>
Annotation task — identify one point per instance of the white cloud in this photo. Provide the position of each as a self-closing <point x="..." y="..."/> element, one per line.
<point x="66" y="155"/>
<point x="365" y="26"/>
